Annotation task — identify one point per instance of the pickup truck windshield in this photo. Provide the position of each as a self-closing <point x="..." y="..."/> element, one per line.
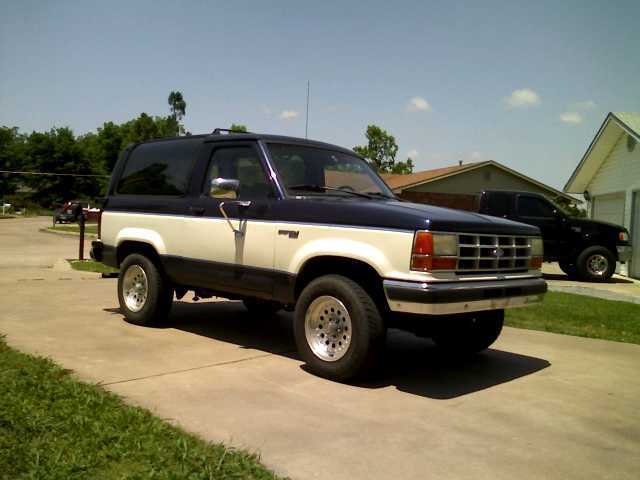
<point x="318" y="171"/>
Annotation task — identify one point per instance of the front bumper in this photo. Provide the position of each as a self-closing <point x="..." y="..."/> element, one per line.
<point x="624" y="252"/>
<point x="459" y="297"/>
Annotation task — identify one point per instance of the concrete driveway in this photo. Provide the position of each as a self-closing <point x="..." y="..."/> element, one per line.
<point x="537" y="405"/>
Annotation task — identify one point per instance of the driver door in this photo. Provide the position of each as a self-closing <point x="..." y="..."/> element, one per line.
<point x="235" y="253"/>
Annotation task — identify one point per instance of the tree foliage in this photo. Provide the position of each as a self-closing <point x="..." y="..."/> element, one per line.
<point x="60" y="151"/>
<point x="381" y="149"/>
<point x="238" y="127"/>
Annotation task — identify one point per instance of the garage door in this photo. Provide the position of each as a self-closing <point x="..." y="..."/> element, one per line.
<point x="609" y="208"/>
<point x="635" y="235"/>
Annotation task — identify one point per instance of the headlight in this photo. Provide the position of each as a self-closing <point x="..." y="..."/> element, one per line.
<point x="537" y="247"/>
<point x="623" y="236"/>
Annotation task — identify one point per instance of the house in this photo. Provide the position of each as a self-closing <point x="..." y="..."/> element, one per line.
<point x="459" y="186"/>
<point x="609" y="177"/>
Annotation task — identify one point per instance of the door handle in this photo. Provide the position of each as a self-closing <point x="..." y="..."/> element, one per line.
<point x="239" y="203"/>
<point x="196" y="210"/>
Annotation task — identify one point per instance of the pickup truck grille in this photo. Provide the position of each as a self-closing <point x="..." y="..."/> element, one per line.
<point x="498" y="253"/>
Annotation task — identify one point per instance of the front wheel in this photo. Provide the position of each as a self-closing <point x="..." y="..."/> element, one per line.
<point x="144" y="293"/>
<point x="569" y="268"/>
<point x="338" y="328"/>
<point x="469" y="333"/>
<point x="596" y="264"/>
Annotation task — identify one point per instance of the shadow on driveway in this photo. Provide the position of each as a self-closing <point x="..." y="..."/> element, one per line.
<point x="412" y="364"/>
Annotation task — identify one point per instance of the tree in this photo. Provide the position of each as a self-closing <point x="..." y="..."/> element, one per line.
<point x="403" y="167"/>
<point x="178" y="108"/>
<point x="238" y="127"/>
<point x="11" y="158"/>
<point x="381" y="149"/>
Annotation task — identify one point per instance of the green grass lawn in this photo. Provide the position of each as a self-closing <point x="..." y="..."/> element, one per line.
<point x="582" y="316"/>
<point x="91" y="266"/>
<point x="53" y="426"/>
<point x="89" y="229"/>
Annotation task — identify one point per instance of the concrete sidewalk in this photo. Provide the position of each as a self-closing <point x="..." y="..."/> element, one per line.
<point x="619" y="288"/>
<point x="537" y="405"/>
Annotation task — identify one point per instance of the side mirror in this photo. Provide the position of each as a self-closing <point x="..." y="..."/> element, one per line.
<point x="224" y="188"/>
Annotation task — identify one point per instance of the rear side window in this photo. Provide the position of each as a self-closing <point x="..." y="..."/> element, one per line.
<point x="498" y="204"/>
<point x="159" y="168"/>
<point x="534" y="207"/>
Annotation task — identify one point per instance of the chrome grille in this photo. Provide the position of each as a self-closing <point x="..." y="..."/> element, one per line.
<point x="481" y="253"/>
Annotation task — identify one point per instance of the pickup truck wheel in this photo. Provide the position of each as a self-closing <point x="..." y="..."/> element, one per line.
<point x="469" y="333"/>
<point x="338" y="328"/>
<point x="596" y="264"/>
<point x="145" y="295"/>
<point x="260" y="307"/>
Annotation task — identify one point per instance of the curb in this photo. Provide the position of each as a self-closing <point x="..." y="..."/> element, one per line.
<point x="69" y="234"/>
<point x="595" y="292"/>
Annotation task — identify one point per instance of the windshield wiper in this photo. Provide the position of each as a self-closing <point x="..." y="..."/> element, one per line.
<point x="321" y="188"/>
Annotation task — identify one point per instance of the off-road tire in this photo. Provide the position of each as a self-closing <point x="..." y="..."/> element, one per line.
<point x="585" y="270"/>
<point x="469" y="333"/>
<point x="368" y="332"/>
<point x="159" y="298"/>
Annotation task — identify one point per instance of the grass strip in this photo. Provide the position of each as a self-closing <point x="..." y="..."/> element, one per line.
<point x="91" y="266"/>
<point x="581" y="316"/>
<point x="54" y="427"/>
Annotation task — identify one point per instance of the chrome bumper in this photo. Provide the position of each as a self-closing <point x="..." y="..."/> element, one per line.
<point x="624" y="252"/>
<point x="459" y="297"/>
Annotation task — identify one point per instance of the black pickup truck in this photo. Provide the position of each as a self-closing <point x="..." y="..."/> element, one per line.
<point x="585" y="249"/>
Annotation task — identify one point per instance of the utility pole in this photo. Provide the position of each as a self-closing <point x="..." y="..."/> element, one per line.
<point x="306" y="124"/>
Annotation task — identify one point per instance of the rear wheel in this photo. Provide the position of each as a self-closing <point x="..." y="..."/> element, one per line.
<point x="145" y="295"/>
<point x="469" y="333"/>
<point x="338" y="328"/>
<point x="596" y="264"/>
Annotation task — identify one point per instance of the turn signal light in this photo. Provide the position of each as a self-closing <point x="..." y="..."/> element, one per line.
<point x="434" y="252"/>
<point x="536" y="262"/>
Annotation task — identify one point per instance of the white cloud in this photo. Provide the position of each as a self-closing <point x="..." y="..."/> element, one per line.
<point x="584" y="105"/>
<point x="412" y="154"/>
<point x="288" y="114"/>
<point x="522" y="98"/>
<point x="571" y="117"/>
<point x="266" y="110"/>
<point x="418" y="104"/>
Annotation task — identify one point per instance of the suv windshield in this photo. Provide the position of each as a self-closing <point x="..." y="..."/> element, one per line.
<point x="325" y="172"/>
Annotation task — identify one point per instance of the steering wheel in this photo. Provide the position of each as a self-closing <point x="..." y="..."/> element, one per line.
<point x="347" y="187"/>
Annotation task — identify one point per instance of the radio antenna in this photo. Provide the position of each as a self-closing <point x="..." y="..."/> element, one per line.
<point x="306" y="124"/>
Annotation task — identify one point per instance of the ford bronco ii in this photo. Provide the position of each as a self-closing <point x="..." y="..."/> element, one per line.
<point x="280" y="222"/>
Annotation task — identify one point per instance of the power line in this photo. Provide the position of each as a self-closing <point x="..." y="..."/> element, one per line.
<point x="54" y="174"/>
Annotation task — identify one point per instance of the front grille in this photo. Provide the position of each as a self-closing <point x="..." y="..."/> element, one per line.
<point x="496" y="253"/>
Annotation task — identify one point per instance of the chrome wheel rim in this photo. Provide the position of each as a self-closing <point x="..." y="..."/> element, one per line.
<point x="327" y="327"/>
<point x="135" y="288"/>
<point x="597" y="264"/>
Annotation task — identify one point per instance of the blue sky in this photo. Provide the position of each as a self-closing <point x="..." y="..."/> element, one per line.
<point x="523" y="83"/>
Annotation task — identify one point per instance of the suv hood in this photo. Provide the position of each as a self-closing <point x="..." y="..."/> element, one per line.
<point x="395" y="215"/>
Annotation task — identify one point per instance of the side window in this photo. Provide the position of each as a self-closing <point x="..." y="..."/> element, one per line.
<point x="498" y="204"/>
<point x="534" y="207"/>
<point x="159" y="168"/>
<point x="242" y="164"/>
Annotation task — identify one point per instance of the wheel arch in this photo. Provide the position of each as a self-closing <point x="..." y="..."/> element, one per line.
<point x="359" y="271"/>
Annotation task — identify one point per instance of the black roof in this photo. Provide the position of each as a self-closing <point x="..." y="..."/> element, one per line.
<point x="231" y="137"/>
